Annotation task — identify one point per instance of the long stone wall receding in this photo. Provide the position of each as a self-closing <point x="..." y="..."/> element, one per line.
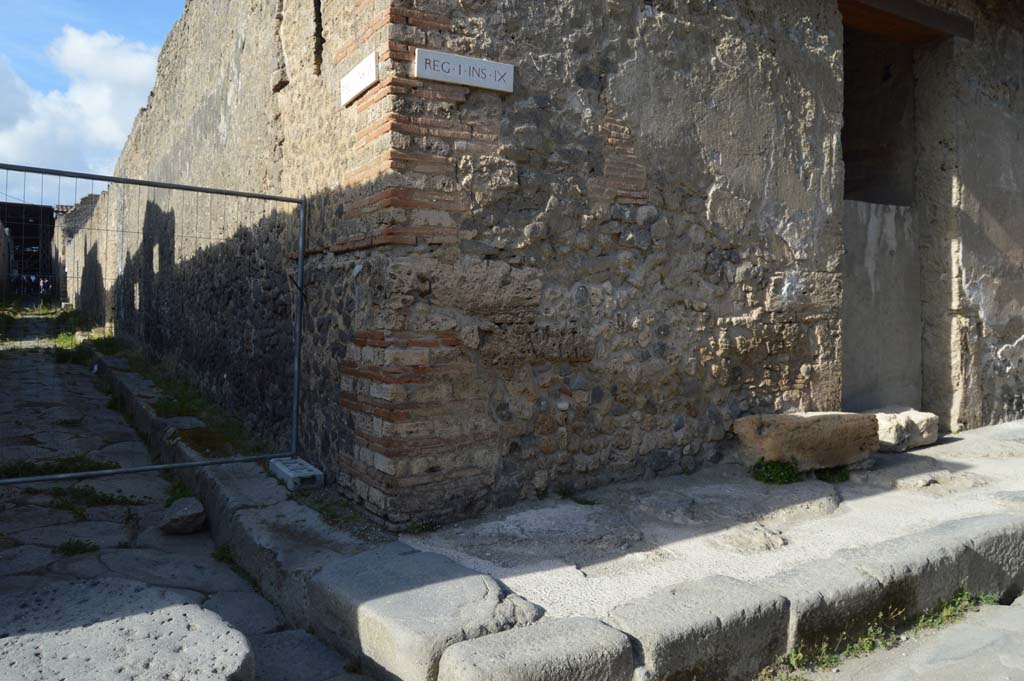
<point x="513" y="295"/>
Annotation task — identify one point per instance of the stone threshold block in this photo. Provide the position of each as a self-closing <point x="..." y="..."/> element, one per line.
<point x="573" y="648"/>
<point x="811" y="440"/>
<point x="903" y="428"/>
<point x="716" y="627"/>
<point x="399" y="609"/>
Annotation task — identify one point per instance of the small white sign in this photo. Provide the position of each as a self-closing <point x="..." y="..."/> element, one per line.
<point x="454" y="68"/>
<point x="359" y="79"/>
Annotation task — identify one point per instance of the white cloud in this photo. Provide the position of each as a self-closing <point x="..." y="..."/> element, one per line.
<point x="84" y="126"/>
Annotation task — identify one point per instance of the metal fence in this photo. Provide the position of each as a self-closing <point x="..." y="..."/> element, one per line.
<point x="134" y="255"/>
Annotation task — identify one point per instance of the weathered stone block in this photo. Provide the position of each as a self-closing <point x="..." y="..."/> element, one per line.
<point x="574" y="648"/>
<point x="903" y="428"/>
<point x="716" y="627"/>
<point x="810" y="440"/>
<point x="400" y="608"/>
<point x="829" y="600"/>
<point x="184" y="516"/>
<point x="282" y="547"/>
<point x="996" y="554"/>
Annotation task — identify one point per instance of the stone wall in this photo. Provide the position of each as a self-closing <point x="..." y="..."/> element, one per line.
<point x="968" y="207"/>
<point x="608" y="274"/>
<point x="512" y="295"/>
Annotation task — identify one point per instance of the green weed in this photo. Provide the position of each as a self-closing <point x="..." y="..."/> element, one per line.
<point x="954" y="610"/>
<point x="223" y="554"/>
<point x="177" y="490"/>
<point x="108" y="345"/>
<point x="883" y="633"/>
<point x="75" y="547"/>
<point x="24" y="468"/>
<point x="66" y="341"/>
<point x="77" y="499"/>
<point x="776" y="472"/>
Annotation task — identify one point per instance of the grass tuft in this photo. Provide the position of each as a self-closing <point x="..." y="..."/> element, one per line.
<point x="24" y="468"/>
<point x="953" y="610"/>
<point x="75" y="547"/>
<point x="223" y="554"/>
<point x="108" y="345"/>
<point x="77" y="499"/>
<point x="776" y="472"/>
<point x="177" y="490"/>
<point x="883" y="633"/>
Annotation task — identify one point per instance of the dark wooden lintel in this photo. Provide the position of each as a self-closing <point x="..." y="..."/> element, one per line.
<point x="906" y="21"/>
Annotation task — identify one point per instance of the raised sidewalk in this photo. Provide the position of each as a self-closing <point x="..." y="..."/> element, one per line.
<point x="712" y="575"/>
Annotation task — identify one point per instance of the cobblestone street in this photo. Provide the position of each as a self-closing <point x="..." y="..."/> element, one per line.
<point x="97" y="545"/>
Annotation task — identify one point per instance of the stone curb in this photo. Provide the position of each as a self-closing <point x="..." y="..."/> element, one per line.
<point x="322" y="583"/>
<point x="574" y="648"/>
<point x="397" y="612"/>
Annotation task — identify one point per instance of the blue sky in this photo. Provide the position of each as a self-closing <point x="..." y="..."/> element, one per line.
<point x="73" y="75"/>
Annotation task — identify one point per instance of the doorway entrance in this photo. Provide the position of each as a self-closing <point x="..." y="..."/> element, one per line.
<point x="886" y="225"/>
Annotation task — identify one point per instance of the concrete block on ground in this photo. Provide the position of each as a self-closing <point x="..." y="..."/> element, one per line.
<point x="573" y="648"/>
<point x="829" y="600"/>
<point x="810" y="440"/>
<point x="400" y="608"/>
<point x="716" y="627"/>
<point x="903" y="428"/>
<point x="111" y="629"/>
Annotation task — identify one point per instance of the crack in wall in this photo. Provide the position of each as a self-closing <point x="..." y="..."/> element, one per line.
<point x="318" y="37"/>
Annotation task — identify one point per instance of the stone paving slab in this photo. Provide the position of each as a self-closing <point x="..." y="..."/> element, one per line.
<point x="142" y="486"/>
<point x="103" y="534"/>
<point x="156" y="567"/>
<point x="106" y="630"/>
<point x="246" y="611"/>
<point x="25" y="559"/>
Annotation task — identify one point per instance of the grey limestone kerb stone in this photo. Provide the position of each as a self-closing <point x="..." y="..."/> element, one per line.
<point x="572" y="648"/>
<point x="717" y="627"/>
<point x="400" y="608"/>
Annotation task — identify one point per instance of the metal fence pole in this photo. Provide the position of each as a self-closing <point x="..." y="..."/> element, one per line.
<point x="297" y="371"/>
